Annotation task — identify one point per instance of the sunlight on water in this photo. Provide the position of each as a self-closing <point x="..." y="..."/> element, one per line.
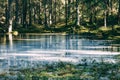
<point x="25" y="51"/>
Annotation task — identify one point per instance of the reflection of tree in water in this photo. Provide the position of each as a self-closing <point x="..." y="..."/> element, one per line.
<point x="10" y="40"/>
<point x="70" y="48"/>
<point x="3" y="39"/>
<point x="67" y="54"/>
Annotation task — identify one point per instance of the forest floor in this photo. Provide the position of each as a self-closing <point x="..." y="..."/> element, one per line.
<point x="91" y="31"/>
<point x="110" y="33"/>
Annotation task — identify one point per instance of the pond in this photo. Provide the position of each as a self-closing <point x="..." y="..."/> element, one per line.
<point x="30" y="50"/>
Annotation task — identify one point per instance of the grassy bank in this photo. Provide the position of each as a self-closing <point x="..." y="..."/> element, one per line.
<point x="91" y="31"/>
<point x="67" y="71"/>
<point x="110" y="32"/>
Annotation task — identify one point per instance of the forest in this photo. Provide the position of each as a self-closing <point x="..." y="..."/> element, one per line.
<point x="60" y="40"/>
<point x="101" y="17"/>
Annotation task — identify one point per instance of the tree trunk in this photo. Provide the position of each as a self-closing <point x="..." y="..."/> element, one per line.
<point x="111" y="7"/>
<point x="16" y="12"/>
<point x="9" y="17"/>
<point x="34" y="14"/>
<point x="73" y="9"/>
<point x="50" y="12"/>
<point x="66" y="13"/>
<point x="30" y="16"/>
<point x="10" y="25"/>
<point x="6" y="15"/>
<point x="119" y="13"/>
<point x="77" y="14"/>
<point x="55" y="12"/>
<point x="39" y="14"/>
<point x="106" y="12"/>
<point x="45" y="15"/>
<point x="59" y="19"/>
<point x="69" y="3"/>
<point x="24" y="2"/>
<point x="50" y="22"/>
<point x="105" y="18"/>
<point x="9" y="9"/>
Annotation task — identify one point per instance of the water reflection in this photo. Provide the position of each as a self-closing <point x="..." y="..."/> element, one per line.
<point x="6" y="47"/>
<point x="55" y="42"/>
<point x="3" y="39"/>
<point x="10" y="38"/>
<point x="26" y="51"/>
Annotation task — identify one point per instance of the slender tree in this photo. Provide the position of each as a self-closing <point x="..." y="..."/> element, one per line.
<point x="45" y="13"/>
<point x="24" y="13"/>
<point x="16" y="12"/>
<point x="55" y="11"/>
<point x="30" y="13"/>
<point x="77" y="13"/>
<point x="66" y="12"/>
<point x="39" y="12"/>
<point x="106" y="3"/>
<point x="119" y="12"/>
<point x="69" y="7"/>
<point x="10" y="19"/>
<point x="50" y="12"/>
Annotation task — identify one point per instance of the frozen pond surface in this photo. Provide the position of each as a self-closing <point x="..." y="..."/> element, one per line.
<point x="26" y="51"/>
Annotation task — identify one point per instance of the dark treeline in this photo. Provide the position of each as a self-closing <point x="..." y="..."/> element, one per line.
<point x="48" y="13"/>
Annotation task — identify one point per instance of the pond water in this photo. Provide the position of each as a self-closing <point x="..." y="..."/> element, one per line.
<point x="27" y="50"/>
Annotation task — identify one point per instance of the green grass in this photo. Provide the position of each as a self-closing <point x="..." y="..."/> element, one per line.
<point x="87" y="29"/>
<point x="67" y="71"/>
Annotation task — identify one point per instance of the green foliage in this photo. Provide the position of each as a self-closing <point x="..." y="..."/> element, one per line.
<point x="66" y="71"/>
<point x="93" y="71"/>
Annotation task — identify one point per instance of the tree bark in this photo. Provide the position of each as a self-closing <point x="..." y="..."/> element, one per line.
<point x="69" y="7"/>
<point x="16" y="12"/>
<point x="50" y="12"/>
<point x="34" y="14"/>
<point x="6" y="15"/>
<point x="77" y="13"/>
<point x="66" y="13"/>
<point x="30" y="12"/>
<point x="106" y="3"/>
<point x="59" y="9"/>
<point x="39" y="14"/>
<point x="10" y="25"/>
<point x="119" y="13"/>
<point x="10" y="21"/>
<point x="55" y="12"/>
<point x="24" y="2"/>
<point x="105" y="18"/>
<point x="45" y="15"/>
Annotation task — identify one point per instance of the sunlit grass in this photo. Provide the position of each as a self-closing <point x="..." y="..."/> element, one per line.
<point x="105" y="28"/>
